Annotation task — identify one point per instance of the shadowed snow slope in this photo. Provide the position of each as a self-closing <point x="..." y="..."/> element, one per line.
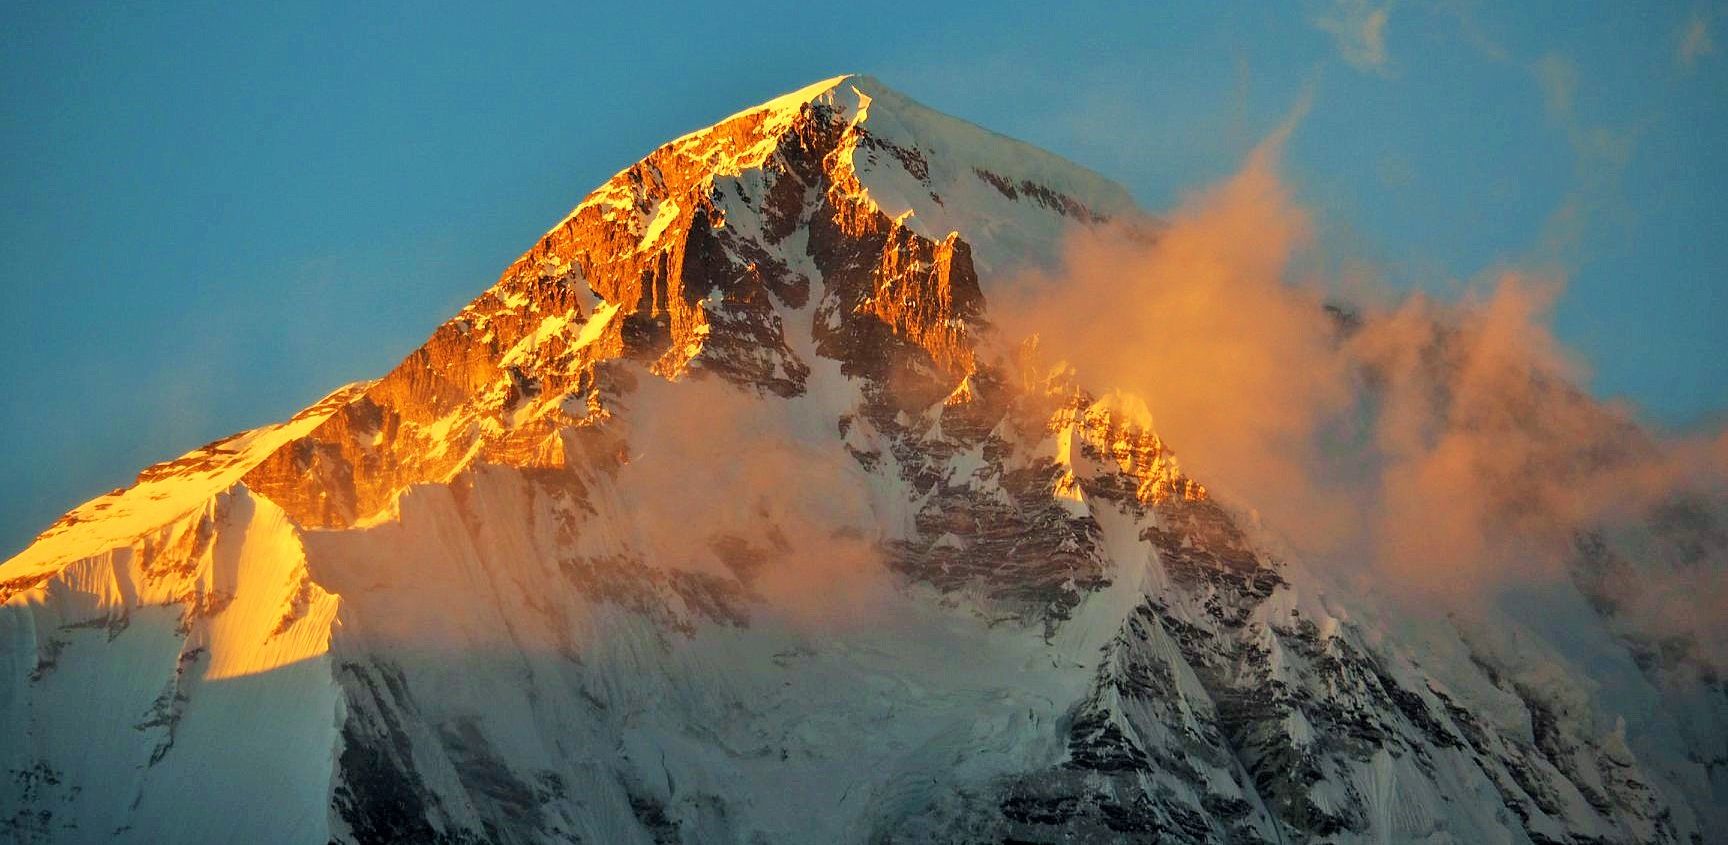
<point x="725" y="515"/>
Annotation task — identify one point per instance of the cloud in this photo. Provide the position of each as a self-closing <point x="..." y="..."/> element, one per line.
<point x="1559" y="80"/>
<point x="1486" y="459"/>
<point x="1359" y="30"/>
<point x="1230" y="361"/>
<point x="1600" y="154"/>
<point x="723" y="483"/>
<point x="1695" y="41"/>
<point x="1440" y="450"/>
<point x="1471" y="29"/>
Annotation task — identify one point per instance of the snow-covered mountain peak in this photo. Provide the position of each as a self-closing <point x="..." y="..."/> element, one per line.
<point x="944" y="173"/>
<point x="715" y="520"/>
<point x="697" y="257"/>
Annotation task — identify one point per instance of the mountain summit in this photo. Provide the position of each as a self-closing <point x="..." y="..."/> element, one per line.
<point x="726" y="515"/>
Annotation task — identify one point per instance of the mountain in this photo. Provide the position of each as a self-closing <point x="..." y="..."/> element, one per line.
<point x="727" y="515"/>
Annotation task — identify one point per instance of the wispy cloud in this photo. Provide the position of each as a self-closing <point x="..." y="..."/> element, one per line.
<point x="1471" y="28"/>
<point x="1359" y="29"/>
<point x="724" y="484"/>
<point x="1438" y="450"/>
<point x="1600" y="155"/>
<point x="1559" y="78"/>
<point x="1695" y="41"/>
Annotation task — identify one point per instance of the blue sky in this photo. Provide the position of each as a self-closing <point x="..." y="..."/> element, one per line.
<point x="215" y="213"/>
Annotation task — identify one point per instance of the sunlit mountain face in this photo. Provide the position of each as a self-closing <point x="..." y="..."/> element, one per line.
<point x="826" y="476"/>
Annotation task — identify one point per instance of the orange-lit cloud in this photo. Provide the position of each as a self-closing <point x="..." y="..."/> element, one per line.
<point x="725" y="483"/>
<point x="1441" y="449"/>
<point x="1358" y="27"/>
<point x="1234" y="364"/>
<point x="1695" y="41"/>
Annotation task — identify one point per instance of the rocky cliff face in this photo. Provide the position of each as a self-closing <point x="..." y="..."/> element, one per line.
<point x="443" y="605"/>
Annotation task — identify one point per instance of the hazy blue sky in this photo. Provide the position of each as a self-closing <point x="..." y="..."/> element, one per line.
<point x="210" y="215"/>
